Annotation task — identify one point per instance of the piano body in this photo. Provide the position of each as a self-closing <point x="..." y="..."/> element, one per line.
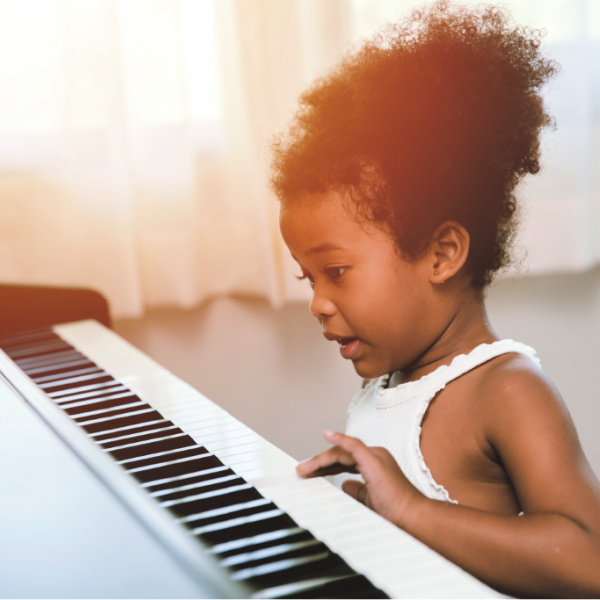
<point x="120" y="480"/>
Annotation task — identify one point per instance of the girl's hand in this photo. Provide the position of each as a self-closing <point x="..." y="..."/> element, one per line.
<point x="386" y="490"/>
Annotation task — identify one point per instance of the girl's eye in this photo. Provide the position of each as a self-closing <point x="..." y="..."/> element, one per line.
<point x="334" y="273"/>
<point x="305" y="276"/>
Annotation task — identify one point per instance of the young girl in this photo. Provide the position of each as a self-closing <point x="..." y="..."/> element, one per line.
<point x="396" y="183"/>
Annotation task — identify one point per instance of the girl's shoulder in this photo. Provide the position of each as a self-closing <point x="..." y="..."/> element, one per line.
<point x="519" y="399"/>
<point x="513" y="377"/>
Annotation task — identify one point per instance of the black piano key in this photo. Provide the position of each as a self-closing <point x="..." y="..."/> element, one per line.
<point x="20" y="338"/>
<point x="75" y="382"/>
<point x="260" y="541"/>
<point x="249" y="528"/>
<point x="102" y="406"/>
<point x="47" y="360"/>
<point x="235" y="494"/>
<point x="79" y="390"/>
<point x="132" y="430"/>
<point x="228" y="513"/>
<point x="124" y="421"/>
<point x="351" y="586"/>
<point x="276" y="551"/>
<point x="153" y="447"/>
<point x="169" y="483"/>
<point x="192" y="466"/>
<point x="283" y="552"/>
<point x="113" y="414"/>
<point x="89" y="399"/>
<point x="40" y="348"/>
<point x="320" y="564"/>
<point x="217" y="482"/>
<point x="16" y="346"/>
<point x="66" y="359"/>
<point x="144" y="462"/>
<point x="73" y="373"/>
<point x="140" y="437"/>
<point x="62" y="368"/>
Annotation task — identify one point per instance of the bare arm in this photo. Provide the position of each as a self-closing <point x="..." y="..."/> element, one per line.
<point x="551" y="550"/>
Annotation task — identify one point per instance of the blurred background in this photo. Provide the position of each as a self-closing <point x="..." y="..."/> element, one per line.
<point x="134" y="160"/>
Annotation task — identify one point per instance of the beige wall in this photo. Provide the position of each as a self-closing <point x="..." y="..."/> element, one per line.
<point x="274" y="371"/>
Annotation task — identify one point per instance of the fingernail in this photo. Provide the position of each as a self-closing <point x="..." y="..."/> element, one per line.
<point x="328" y="433"/>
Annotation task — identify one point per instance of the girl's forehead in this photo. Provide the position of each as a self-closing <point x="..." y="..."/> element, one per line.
<point x="322" y="213"/>
<point x="325" y="220"/>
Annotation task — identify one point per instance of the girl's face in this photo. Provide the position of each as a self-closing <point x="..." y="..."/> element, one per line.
<point x="370" y="301"/>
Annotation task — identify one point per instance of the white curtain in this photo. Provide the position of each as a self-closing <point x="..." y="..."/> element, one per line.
<point x="134" y="140"/>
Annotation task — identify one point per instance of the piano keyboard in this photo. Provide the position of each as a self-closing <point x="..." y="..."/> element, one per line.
<point x="225" y="501"/>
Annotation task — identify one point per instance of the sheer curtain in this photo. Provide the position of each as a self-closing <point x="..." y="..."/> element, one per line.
<point x="134" y="140"/>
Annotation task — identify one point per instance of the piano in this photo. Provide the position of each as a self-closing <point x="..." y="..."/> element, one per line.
<point x="120" y="480"/>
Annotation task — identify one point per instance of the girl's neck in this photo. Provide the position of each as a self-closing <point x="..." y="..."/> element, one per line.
<point x="464" y="328"/>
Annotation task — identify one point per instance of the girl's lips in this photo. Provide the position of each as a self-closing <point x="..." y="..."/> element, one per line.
<point x="348" y="347"/>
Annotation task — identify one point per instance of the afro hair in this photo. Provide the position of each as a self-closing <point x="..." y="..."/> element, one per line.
<point x="435" y="119"/>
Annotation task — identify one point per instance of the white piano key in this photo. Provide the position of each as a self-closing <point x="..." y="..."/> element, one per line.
<point x="222" y="426"/>
<point x="306" y="505"/>
<point x="241" y="453"/>
<point x="232" y="443"/>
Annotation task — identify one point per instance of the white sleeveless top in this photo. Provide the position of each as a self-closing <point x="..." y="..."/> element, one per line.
<point x="391" y="415"/>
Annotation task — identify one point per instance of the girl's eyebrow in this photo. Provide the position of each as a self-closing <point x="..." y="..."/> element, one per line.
<point x="324" y="248"/>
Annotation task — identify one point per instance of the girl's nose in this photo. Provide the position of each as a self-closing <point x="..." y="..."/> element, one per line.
<point x="320" y="306"/>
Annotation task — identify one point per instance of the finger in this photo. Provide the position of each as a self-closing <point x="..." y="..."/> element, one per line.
<point x="354" y="447"/>
<point x="370" y="462"/>
<point x="356" y="489"/>
<point x="335" y="460"/>
<point x="334" y="469"/>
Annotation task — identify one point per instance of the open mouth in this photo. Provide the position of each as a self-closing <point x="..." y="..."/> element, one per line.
<point x="348" y="346"/>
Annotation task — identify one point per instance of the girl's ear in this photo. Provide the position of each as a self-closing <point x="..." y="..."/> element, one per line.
<point x="448" y="251"/>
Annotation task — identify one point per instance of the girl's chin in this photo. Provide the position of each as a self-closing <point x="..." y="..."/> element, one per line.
<point x="368" y="370"/>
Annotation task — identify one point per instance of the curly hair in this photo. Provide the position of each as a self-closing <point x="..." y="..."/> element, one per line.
<point x="435" y="119"/>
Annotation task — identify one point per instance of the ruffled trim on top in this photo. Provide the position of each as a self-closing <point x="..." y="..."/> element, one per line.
<point x="440" y="489"/>
<point x="444" y="374"/>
